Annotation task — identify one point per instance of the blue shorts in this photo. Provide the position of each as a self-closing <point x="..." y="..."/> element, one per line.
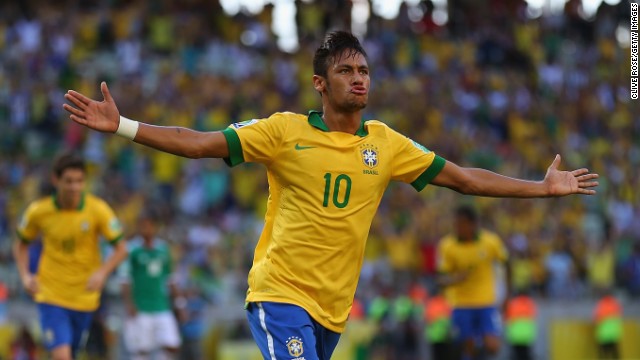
<point x="476" y="323"/>
<point x="285" y="331"/>
<point x="62" y="326"/>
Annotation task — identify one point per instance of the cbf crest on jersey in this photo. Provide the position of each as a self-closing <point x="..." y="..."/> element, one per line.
<point x="241" y="124"/>
<point x="84" y="226"/>
<point x="295" y="347"/>
<point x="370" y="155"/>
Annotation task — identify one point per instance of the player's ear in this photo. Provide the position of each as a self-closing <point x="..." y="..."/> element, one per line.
<point x="319" y="83"/>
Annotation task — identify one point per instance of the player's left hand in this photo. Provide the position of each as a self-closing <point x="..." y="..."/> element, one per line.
<point x="560" y="183"/>
<point x="96" y="281"/>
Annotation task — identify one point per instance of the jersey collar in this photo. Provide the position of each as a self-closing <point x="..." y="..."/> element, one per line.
<point x="475" y="238"/>
<point x="57" y="203"/>
<point x="315" y="119"/>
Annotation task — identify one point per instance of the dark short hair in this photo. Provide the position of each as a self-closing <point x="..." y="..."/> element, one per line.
<point x="149" y="214"/>
<point x="68" y="161"/>
<point x="335" y="44"/>
<point x="467" y="212"/>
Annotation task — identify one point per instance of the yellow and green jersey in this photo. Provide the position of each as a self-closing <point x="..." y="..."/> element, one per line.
<point x="324" y="189"/>
<point x="71" y="248"/>
<point x="478" y="258"/>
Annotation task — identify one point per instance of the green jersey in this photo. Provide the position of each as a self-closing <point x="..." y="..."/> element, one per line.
<point x="149" y="270"/>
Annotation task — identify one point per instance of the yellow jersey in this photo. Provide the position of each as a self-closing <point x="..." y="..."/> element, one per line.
<point x="324" y="189"/>
<point x="71" y="249"/>
<point x="478" y="258"/>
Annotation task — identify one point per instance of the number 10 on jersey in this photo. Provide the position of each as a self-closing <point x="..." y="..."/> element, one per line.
<point x="332" y="190"/>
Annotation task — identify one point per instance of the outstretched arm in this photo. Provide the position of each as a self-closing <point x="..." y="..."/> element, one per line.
<point x="474" y="181"/>
<point x="104" y="116"/>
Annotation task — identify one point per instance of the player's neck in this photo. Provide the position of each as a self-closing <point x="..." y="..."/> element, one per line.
<point x="468" y="237"/>
<point x="68" y="202"/>
<point x="342" y="121"/>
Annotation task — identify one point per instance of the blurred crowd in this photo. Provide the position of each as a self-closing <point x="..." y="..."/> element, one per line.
<point x="491" y="88"/>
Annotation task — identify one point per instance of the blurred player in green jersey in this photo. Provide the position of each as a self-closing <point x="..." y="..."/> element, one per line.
<point x="148" y="291"/>
<point x="327" y="172"/>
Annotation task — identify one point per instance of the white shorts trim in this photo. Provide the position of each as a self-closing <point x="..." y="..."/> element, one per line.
<point x="263" y="323"/>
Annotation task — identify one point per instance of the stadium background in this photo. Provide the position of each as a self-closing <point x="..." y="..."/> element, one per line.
<point x="498" y="84"/>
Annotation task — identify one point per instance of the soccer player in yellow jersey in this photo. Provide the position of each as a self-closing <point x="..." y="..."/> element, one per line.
<point x="327" y="171"/>
<point x="70" y="273"/>
<point x="467" y="260"/>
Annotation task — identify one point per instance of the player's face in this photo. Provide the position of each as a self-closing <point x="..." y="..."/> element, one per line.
<point x="70" y="185"/>
<point x="147" y="228"/>
<point x="465" y="228"/>
<point x="347" y="83"/>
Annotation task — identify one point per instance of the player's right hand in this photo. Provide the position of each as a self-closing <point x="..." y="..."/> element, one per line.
<point x="98" y="115"/>
<point x="30" y="283"/>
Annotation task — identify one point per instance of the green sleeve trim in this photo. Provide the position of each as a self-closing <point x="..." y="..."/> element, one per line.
<point x="432" y="171"/>
<point x="235" y="147"/>
<point x="22" y="238"/>
<point x="116" y="240"/>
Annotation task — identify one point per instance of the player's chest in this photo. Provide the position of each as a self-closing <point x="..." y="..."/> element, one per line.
<point x="365" y="161"/>
<point x="63" y="225"/>
<point x="149" y="263"/>
<point x="470" y="255"/>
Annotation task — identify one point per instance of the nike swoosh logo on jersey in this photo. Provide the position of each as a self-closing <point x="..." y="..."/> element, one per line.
<point x="299" y="147"/>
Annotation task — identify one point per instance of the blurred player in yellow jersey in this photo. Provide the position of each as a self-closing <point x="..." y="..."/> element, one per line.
<point x="71" y="272"/>
<point x="327" y="172"/>
<point x="467" y="260"/>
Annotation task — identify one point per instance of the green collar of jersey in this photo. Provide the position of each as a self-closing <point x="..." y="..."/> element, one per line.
<point x="57" y="203"/>
<point x="475" y="237"/>
<point x="315" y="119"/>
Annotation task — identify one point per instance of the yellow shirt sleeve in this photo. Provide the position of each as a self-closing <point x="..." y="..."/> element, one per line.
<point x="108" y="224"/>
<point x="28" y="228"/>
<point x="413" y="163"/>
<point x="256" y="140"/>
<point x="445" y="261"/>
<point x="500" y="251"/>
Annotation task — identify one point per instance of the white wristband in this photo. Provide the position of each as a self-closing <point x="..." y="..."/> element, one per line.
<point x="128" y="128"/>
